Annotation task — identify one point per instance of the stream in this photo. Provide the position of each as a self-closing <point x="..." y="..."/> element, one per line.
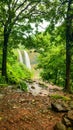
<point x="42" y="89"/>
<point x="38" y="89"/>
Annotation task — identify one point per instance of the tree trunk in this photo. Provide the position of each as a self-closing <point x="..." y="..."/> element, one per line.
<point x="4" y="57"/>
<point x="68" y="63"/>
<point x="68" y="47"/>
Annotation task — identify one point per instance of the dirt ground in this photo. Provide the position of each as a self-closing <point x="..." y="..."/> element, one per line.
<point x="23" y="111"/>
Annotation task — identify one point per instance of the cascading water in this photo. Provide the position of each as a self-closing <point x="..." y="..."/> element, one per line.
<point x="20" y="56"/>
<point x="24" y="57"/>
<point x="27" y="60"/>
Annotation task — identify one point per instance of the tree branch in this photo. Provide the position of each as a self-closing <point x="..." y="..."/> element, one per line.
<point x="15" y="4"/>
<point x="20" y="5"/>
<point x="17" y="17"/>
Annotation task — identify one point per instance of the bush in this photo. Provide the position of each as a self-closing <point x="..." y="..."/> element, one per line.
<point x="52" y="64"/>
<point x="17" y="72"/>
<point x="23" y="86"/>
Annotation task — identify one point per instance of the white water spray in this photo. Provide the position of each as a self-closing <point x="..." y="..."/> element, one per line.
<point x="20" y="56"/>
<point x="27" y="60"/>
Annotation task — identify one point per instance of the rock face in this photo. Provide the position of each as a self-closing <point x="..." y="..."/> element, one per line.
<point x="67" y="120"/>
<point x="58" y="107"/>
<point x="66" y="123"/>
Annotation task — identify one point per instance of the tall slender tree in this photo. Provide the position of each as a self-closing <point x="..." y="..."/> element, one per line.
<point x="69" y="40"/>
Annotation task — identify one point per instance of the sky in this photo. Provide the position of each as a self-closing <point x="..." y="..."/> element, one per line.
<point x="41" y="26"/>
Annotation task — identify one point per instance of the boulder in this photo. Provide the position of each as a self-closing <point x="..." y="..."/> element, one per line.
<point x="33" y="87"/>
<point x="58" y="107"/>
<point x="71" y="104"/>
<point x="59" y="126"/>
<point x="66" y="122"/>
<point x="70" y="115"/>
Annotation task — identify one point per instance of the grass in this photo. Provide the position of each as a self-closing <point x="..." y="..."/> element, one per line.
<point x="57" y="96"/>
<point x="3" y="85"/>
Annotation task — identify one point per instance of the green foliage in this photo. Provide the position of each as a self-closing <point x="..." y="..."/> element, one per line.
<point x="0" y="59"/>
<point x="64" y="98"/>
<point x="53" y="65"/>
<point x="2" y="80"/>
<point x="41" y="41"/>
<point x="23" y="86"/>
<point x="17" y="72"/>
<point x="51" y="60"/>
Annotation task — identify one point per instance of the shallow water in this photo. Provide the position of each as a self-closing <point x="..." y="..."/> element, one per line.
<point x="36" y="89"/>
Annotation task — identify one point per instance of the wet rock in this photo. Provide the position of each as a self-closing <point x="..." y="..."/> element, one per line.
<point x="70" y="115"/>
<point x="32" y="87"/>
<point x="58" y="107"/>
<point x="66" y="122"/>
<point x="59" y="126"/>
<point x="71" y="105"/>
<point x="29" y="81"/>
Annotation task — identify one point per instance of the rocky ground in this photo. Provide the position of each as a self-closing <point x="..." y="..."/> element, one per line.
<point x="24" y="111"/>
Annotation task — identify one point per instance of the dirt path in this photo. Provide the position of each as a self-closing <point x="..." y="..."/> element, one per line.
<point x="24" y="111"/>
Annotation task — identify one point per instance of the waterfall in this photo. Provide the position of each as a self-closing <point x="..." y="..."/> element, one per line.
<point x="20" y="56"/>
<point x="27" y="60"/>
<point x="24" y="57"/>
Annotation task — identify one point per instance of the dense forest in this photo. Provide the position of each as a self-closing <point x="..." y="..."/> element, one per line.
<point x="54" y="45"/>
<point x="36" y="64"/>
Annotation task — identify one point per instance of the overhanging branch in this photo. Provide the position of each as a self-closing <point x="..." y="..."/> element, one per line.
<point x="20" y="5"/>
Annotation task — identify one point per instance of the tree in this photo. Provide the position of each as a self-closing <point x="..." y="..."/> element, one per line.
<point x="13" y="12"/>
<point x="69" y="40"/>
<point x="62" y="12"/>
<point x="51" y="59"/>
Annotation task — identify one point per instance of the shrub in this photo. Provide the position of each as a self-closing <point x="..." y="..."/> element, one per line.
<point x="23" y="86"/>
<point x="17" y="72"/>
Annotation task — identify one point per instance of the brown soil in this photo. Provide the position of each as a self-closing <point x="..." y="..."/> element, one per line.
<point x="23" y="111"/>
